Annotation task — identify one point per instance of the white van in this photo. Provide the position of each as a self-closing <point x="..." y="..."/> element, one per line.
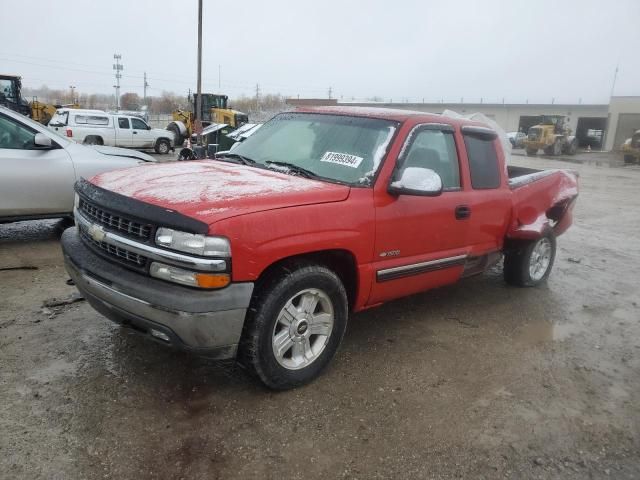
<point x="97" y="127"/>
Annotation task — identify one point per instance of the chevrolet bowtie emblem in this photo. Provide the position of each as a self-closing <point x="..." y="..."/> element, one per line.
<point x="96" y="232"/>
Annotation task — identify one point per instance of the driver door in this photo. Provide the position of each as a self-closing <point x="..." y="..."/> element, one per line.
<point x="34" y="181"/>
<point x="142" y="137"/>
<point x="421" y="241"/>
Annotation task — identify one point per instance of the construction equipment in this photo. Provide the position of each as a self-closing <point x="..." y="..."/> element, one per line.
<point x="11" y="94"/>
<point x="631" y="149"/>
<point x="11" y="97"/>
<point x="214" y="110"/>
<point x="552" y="136"/>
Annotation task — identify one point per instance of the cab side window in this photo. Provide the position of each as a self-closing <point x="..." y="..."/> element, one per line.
<point x="15" y="136"/>
<point x="123" y="122"/>
<point x="138" y="124"/>
<point x="435" y="150"/>
<point x="483" y="161"/>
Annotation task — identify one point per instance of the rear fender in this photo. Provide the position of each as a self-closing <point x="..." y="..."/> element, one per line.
<point x="546" y="203"/>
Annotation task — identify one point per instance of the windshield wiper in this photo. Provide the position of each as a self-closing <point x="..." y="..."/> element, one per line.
<point x="294" y="168"/>
<point x="244" y="160"/>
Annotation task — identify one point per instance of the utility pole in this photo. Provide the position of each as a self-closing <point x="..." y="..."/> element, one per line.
<point x="219" y="78"/>
<point x="118" y="67"/>
<point x="144" y="98"/>
<point x="329" y="93"/>
<point x="198" y="115"/>
<point x="73" y="96"/>
<point x="257" y="97"/>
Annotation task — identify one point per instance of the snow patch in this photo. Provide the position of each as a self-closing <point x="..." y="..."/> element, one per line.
<point x="199" y="182"/>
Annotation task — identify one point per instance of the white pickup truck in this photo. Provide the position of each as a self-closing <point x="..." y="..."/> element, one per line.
<point x="96" y="127"/>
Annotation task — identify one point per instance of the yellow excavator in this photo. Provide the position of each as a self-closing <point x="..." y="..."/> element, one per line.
<point x="214" y="110"/>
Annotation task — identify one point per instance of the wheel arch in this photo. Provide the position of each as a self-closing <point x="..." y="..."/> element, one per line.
<point x="340" y="261"/>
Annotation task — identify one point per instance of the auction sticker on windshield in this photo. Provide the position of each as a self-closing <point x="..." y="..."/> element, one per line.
<point x="345" y="159"/>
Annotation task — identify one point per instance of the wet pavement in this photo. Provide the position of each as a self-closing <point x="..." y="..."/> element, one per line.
<point x="476" y="380"/>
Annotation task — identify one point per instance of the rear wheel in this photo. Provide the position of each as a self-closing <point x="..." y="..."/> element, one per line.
<point x="629" y="159"/>
<point x="530" y="263"/>
<point x="294" y="326"/>
<point x="532" y="151"/>
<point x="93" y="140"/>
<point x="163" y="146"/>
<point x="573" y="148"/>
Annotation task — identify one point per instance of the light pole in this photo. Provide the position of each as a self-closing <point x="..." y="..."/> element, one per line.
<point x="118" y="67"/>
<point x="198" y="115"/>
<point x="73" y="90"/>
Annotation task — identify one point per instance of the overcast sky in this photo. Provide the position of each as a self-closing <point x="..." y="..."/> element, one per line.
<point x="407" y="49"/>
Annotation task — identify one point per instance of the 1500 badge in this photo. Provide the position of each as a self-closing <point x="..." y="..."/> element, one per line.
<point x="390" y="253"/>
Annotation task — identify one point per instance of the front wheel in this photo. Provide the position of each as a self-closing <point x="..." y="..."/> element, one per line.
<point x="531" y="152"/>
<point x="294" y="326"/>
<point x="529" y="264"/>
<point x="163" y="146"/>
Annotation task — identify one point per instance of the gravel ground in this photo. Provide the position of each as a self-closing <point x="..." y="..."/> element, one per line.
<point x="476" y="380"/>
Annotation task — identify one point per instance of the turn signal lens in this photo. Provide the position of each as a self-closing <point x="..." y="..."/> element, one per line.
<point x="188" y="277"/>
<point x="213" y="280"/>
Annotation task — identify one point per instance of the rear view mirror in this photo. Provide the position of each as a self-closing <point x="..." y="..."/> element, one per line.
<point x="416" y="181"/>
<point x="41" y="140"/>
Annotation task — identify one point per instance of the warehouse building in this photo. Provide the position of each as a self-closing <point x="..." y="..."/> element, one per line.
<point x="601" y="126"/>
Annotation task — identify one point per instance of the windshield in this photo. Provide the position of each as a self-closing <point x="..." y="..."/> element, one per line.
<point x="341" y="148"/>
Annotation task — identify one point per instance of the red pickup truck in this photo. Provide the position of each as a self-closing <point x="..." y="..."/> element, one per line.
<point x="262" y="253"/>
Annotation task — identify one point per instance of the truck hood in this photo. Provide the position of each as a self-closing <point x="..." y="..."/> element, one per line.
<point x="211" y="191"/>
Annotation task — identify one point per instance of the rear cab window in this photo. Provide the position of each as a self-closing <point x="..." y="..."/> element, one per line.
<point x="483" y="157"/>
<point x="59" y="119"/>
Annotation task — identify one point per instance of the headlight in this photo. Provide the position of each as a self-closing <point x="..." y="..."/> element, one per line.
<point x="193" y="243"/>
<point x="188" y="277"/>
<point x="76" y="200"/>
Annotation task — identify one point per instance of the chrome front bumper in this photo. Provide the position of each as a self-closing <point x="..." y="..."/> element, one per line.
<point x="206" y="322"/>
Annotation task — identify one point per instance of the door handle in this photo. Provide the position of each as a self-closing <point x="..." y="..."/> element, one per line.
<point x="462" y="212"/>
<point x="135" y="133"/>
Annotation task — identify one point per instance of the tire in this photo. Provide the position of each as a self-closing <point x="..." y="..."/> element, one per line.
<point x="629" y="159"/>
<point x="283" y="311"/>
<point x="531" y="152"/>
<point x="163" y="146"/>
<point x="519" y="263"/>
<point x="93" y="140"/>
<point x="573" y="148"/>
<point x="178" y="139"/>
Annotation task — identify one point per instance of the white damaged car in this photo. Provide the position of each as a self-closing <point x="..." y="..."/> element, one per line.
<point x="38" y="168"/>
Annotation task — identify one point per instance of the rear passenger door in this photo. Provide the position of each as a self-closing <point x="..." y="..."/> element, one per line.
<point x="123" y="132"/>
<point x="489" y="198"/>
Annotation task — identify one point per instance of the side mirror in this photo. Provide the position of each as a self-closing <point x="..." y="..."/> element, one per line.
<point x="148" y="127"/>
<point x="41" y="140"/>
<point x="416" y="181"/>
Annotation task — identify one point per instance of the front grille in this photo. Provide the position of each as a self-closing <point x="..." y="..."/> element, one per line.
<point x="131" y="228"/>
<point x="121" y="254"/>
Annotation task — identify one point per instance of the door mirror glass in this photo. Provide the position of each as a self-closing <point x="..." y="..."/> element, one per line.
<point x="41" y="140"/>
<point x="416" y="181"/>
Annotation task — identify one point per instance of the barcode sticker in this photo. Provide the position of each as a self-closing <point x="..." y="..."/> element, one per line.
<point x="345" y="159"/>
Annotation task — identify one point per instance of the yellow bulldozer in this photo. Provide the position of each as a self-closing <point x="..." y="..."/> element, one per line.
<point x="631" y="149"/>
<point x="214" y="110"/>
<point x="552" y="136"/>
